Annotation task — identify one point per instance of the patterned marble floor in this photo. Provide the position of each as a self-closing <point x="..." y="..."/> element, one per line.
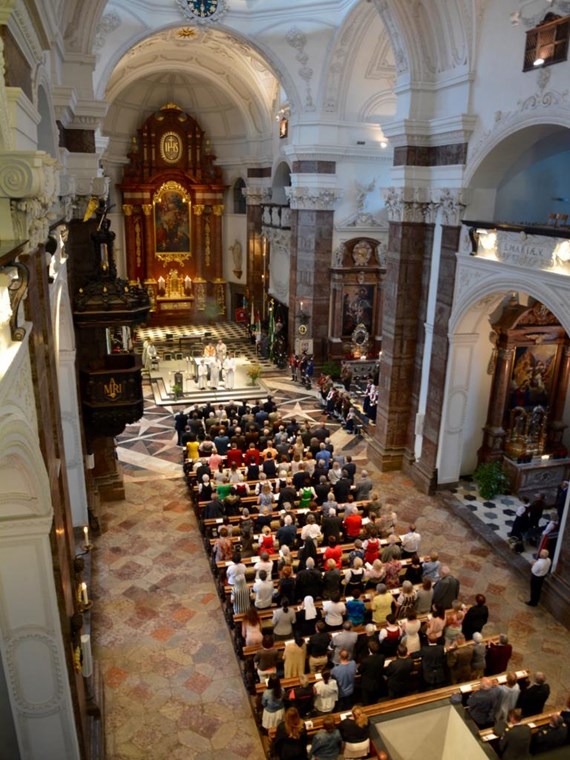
<point x="172" y="683"/>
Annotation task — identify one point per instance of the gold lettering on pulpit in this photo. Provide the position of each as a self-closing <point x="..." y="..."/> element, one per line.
<point x="112" y="389"/>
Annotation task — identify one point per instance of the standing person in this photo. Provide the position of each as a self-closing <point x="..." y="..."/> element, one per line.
<point x="344" y="674"/>
<point x="180" y="422"/>
<point x="326" y="693"/>
<point x="514" y="744"/>
<point x="538" y="572"/>
<point x="202" y="375"/>
<point x="327" y="743"/>
<point x="215" y="367"/>
<point x="272" y="703"/>
<point x="229" y="366"/>
<point x="290" y="741"/>
<point x="475" y="618"/>
<point x="355" y="731"/>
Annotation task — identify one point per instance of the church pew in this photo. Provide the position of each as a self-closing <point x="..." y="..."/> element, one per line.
<point x="289" y="683"/>
<point x="366" y="598"/>
<point x="536" y="722"/>
<point x="346" y="548"/>
<point x="414" y="700"/>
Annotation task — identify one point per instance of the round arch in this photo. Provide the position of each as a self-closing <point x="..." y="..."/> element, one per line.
<point x="281" y="180"/>
<point x="269" y="57"/>
<point x="468" y="384"/>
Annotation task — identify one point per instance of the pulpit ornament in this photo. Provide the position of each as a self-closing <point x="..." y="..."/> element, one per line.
<point x="203" y="11"/>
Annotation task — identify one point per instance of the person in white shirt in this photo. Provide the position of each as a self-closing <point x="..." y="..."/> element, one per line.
<point x="263" y="590"/>
<point x="311" y="530"/>
<point x="411" y="542"/>
<point x="334" y="610"/>
<point x="326" y="693"/>
<point x="538" y="572"/>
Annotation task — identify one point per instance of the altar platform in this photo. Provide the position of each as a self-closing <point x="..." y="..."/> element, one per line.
<point x="169" y="372"/>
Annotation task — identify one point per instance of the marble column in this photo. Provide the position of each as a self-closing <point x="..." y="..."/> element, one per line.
<point x="313" y="196"/>
<point x="255" y="197"/>
<point x="423" y="470"/>
<point x="405" y="294"/>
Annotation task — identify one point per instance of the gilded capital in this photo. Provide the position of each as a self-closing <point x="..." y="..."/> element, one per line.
<point x="127" y="209"/>
<point x="147" y="209"/>
<point x="198" y="209"/>
<point x="218" y="210"/>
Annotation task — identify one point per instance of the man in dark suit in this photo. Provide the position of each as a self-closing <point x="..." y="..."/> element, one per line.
<point x="331" y="526"/>
<point x="514" y="744"/>
<point x="398" y="674"/>
<point x="433" y="663"/>
<point x="533" y="698"/>
<point x="552" y="736"/>
<point x="309" y="581"/>
<point x="371" y="671"/>
<point x="446" y="590"/>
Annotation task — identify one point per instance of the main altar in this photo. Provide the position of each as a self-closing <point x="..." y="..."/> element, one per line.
<point x="173" y="204"/>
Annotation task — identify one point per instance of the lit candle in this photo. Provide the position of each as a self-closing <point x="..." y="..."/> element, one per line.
<point x="84" y="596"/>
<point x="86" y="534"/>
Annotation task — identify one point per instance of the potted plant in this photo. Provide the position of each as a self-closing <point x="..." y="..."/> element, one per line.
<point x="491" y="479"/>
<point x="254" y="373"/>
<point x="177" y="390"/>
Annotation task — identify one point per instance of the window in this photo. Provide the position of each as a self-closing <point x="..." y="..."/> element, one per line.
<point x="547" y="43"/>
<point x="240" y="204"/>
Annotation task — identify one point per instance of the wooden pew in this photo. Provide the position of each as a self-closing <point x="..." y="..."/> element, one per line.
<point x="413" y="700"/>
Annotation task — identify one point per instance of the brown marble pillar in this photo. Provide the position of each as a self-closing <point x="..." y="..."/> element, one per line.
<point x="198" y="238"/>
<point x="423" y="471"/>
<point x="494" y="432"/>
<point x="405" y="287"/>
<point x="255" y="196"/>
<point x="134" y="270"/>
<point x="147" y="242"/>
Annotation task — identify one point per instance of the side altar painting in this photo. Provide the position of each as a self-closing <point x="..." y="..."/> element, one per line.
<point x="172" y="221"/>
<point x="357" y="307"/>
<point x="533" y="374"/>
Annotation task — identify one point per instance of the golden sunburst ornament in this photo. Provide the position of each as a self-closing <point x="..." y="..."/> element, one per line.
<point x="186" y="33"/>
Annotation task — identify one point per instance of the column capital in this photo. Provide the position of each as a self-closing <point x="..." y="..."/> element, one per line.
<point x="313" y="198"/>
<point x="408" y="204"/>
<point x="256" y="196"/>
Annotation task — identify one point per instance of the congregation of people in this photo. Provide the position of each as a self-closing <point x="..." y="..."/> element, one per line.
<point x="322" y="589"/>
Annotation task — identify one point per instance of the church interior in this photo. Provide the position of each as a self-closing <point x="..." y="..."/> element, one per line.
<point x="374" y="189"/>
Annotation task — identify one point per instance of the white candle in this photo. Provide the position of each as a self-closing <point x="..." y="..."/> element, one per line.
<point x="86" y="534"/>
<point x="84" y="596"/>
<point x="87" y="657"/>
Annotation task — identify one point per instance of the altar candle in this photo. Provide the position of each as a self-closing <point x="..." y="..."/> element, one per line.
<point x="84" y="596"/>
<point x="86" y="534"/>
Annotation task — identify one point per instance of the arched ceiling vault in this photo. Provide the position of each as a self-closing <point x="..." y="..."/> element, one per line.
<point x="226" y="86"/>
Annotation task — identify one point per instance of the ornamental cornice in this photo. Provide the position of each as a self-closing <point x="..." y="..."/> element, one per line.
<point x="430" y="133"/>
<point x="256" y="196"/>
<point x="309" y="198"/>
<point x="422" y="204"/>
